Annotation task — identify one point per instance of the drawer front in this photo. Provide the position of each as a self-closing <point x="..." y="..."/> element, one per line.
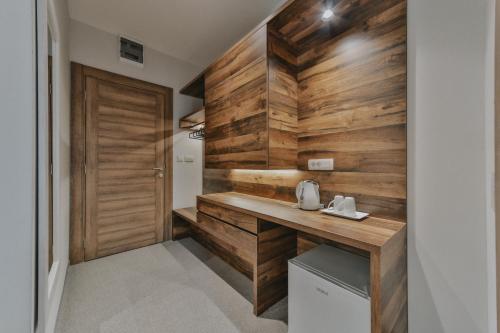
<point x="239" y="242"/>
<point x="243" y="221"/>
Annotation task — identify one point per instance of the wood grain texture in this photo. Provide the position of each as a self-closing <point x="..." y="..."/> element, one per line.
<point x="251" y="106"/>
<point x="187" y="223"/>
<point x="77" y="182"/>
<point x="240" y="220"/>
<point x="382" y="195"/>
<point x="236" y="59"/>
<point x="275" y="246"/>
<point x="369" y="235"/>
<point x="234" y="245"/>
<point x="283" y="104"/>
<point x="242" y="243"/>
<point x="222" y="250"/>
<point x="284" y="231"/>
<point x="193" y="119"/>
<point x="236" y="120"/>
<point x="112" y="204"/>
<point x="352" y="100"/>
<point x="389" y="286"/>
<point x="181" y="222"/>
<point x="124" y="129"/>
<point x="169" y="162"/>
<point x="351" y="93"/>
<point x="195" y="87"/>
<point x="307" y="242"/>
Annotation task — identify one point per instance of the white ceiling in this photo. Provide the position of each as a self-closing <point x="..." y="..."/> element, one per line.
<point x="196" y="31"/>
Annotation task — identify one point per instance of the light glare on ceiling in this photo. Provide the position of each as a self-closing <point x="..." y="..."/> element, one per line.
<point x="327" y="14"/>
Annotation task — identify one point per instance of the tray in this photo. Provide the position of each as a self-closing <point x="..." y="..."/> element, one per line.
<point x="357" y="217"/>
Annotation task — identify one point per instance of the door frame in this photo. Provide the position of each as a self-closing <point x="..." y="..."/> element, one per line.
<point x="79" y="73"/>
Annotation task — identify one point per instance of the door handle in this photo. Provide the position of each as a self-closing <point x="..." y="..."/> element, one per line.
<point x="160" y="174"/>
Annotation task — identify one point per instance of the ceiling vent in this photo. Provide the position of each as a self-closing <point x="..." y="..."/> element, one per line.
<point x="131" y="51"/>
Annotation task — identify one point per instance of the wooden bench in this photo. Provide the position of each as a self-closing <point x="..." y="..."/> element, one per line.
<point x="257" y="248"/>
<point x="182" y="218"/>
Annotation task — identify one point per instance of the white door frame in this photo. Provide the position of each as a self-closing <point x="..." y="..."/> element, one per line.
<point x="57" y="274"/>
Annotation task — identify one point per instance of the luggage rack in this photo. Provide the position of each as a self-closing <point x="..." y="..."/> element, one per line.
<point x="195" y="124"/>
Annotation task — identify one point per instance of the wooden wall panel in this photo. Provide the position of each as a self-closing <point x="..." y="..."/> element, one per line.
<point x="275" y="246"/>
<point x="352" y="102"/>
<point x="383" y="195"/>
<point x="283" y="89"/>
<point x="351" y="94"/>
<point x="237" y="58"/>
<point x="236" y="120"/>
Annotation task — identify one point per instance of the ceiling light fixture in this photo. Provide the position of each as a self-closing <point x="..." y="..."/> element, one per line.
<point x="327" y="14"/>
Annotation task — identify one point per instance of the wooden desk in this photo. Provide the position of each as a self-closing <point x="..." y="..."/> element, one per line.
<point x="262" y="234"/>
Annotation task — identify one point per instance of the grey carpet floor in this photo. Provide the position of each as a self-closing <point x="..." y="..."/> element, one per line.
<point x="176" y="287"/>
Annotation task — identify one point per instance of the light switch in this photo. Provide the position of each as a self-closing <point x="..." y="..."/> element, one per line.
<point x="188" y="158"/>
<point x="325" y="164"/>
<point x="179" y="158"/>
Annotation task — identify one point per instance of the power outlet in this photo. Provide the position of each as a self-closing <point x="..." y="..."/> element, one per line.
<point x="325" y="164"/>
<point x="188" y="158"/>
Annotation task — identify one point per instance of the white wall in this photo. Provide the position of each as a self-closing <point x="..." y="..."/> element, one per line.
<point x="96" y="48"/>
<point x="449" y="153"/>
<point x="17" y="176"/>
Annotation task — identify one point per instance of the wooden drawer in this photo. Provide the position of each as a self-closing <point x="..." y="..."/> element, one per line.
<point x="234" y="240"/>
<point x="243" y="221"/>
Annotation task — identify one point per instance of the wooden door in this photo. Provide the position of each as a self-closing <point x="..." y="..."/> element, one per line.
<point x="124" y="168"/>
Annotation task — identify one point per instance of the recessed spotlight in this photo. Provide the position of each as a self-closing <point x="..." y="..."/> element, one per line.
<point x="327" y="14"/>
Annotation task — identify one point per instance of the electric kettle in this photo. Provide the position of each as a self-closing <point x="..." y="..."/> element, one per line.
<point x="307" y="192"/>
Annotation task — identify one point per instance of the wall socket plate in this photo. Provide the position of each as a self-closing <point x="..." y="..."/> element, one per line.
<point x="324" y="164"/>
<point x="188" y="159"/>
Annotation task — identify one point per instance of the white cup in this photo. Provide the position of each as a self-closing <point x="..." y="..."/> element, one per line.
<point x="349" y="206"/>
<point x="337" y="203"/>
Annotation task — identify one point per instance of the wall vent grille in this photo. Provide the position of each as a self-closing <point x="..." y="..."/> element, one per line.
<point x="131" y="51"/>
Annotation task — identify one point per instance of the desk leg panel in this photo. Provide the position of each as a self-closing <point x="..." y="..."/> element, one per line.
<point x="389" y="288"/>
<point x="275" y="246"/>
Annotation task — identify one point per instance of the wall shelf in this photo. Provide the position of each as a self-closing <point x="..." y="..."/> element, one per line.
<point x="196" y="87"/>
<point x="193" y="121"/>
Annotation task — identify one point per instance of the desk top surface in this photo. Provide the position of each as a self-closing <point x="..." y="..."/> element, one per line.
<point x="370" y="234"/>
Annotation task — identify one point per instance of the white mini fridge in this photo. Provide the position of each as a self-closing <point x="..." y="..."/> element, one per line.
<point x="328" y="292"/>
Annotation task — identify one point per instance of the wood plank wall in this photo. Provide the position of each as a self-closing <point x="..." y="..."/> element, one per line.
<point x="282" y="103"/>
<point x="236" y="107"/>
<point x="351" y="106"/>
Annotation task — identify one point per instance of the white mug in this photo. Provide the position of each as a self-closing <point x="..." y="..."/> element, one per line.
<point x="337" y="203"/>
<point x="350" y="206"/>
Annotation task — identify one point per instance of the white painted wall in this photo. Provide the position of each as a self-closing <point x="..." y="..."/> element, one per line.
<point x="17" y="176"/>
<point x="450" y="249"/>
<point x="97" y="48"/>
